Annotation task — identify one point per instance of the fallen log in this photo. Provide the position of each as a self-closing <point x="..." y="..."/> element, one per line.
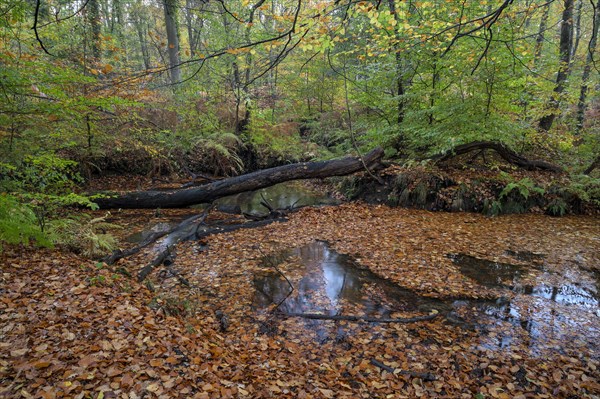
<point x="502" y="150"/>
<point x="248" y="182"/>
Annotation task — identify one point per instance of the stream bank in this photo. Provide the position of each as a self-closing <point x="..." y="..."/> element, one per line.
<point x="476" y="189"/>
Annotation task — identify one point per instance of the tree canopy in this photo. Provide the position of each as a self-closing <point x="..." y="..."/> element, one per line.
<point x="415" y="76"/>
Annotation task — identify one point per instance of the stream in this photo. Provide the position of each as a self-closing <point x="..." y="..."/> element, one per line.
<point x="534" y="302"/>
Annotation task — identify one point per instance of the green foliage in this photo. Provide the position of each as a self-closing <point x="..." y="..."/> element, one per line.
<point x="557" y="207"/>
<point x="515" y="197"/>
<point x="523" y="187"/>
<point x="585" y="187"/>
<point x="18" y="223"/>
<point x="42" y="174"/>
<point x="218" y="151"/>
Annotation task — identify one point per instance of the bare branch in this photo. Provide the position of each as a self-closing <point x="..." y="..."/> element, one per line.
<point x="35" y="27"/>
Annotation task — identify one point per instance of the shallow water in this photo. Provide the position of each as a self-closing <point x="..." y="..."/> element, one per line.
<point x="280" y="196"/>
<point x="507" y="276"/>
<point x="330" y="283"/>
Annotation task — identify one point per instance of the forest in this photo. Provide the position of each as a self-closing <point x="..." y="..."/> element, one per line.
<point x="299" y="198"/>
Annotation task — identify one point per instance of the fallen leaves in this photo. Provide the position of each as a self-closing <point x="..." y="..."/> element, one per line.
<point x="62" y="337"/>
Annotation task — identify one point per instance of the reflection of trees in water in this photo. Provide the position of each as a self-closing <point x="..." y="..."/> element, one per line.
<point x="279" y="196"/>
<point x="330" y="282"/>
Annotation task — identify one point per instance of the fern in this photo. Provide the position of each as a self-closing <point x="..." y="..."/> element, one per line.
<point x="85" y="236"/>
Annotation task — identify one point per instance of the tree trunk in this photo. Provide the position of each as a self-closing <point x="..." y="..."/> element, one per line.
<point x="400" y="89"/>
<point x="587" y="69"/>
<point x="238" y="184"/>
<point x="142" y="32"/>
<point x="170" y="8"/>
<point x="566" y="44"/>
<point x="539" y="41"/>
<point x="576" y="30"/>
<point x="95" y="24"/>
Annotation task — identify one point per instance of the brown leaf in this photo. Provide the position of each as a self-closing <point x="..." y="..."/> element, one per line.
<point x="87" y="361"/>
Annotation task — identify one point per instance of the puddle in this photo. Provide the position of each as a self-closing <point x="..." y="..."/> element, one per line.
<point x="525" y="256"/>
<point x="279" y="196"/>
<point x="538" y="316"/>
<point x="332" y="284"/>
<point x="507" y="276"/>
<point x="488" y="273"/>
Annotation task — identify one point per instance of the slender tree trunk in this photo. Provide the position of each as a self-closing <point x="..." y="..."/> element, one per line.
<point x="539" y="41"/>
<point x="193" y="26"/>
<point x="142" y="32"/>
<point x="95" y="25"/>
<point x="435" y="76"/>
<point x="587" y="69"/>
<point x="170" y="9"/>
<point x="566" y="44"/>
<point x="576" y="30"/>
<point x="400" y="90"/>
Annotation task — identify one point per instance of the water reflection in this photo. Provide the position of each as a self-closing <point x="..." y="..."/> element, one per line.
<point x="485" y="272"/>
<point x="331" y="282"/>
<point x="279" y="196"/>
<point x="539" y="315"/>
<point x="506" y="275"/>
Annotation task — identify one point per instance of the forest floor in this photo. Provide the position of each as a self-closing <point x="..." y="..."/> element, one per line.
<point x="516" y="299"/>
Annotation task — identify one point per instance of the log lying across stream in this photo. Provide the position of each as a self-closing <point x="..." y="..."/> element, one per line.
<point x="248" y="182"/>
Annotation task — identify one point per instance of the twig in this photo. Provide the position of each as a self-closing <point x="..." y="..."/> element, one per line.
<point x="318" y="316"/>
<point x="272" y="264"/>
<point x="423" y="376"/>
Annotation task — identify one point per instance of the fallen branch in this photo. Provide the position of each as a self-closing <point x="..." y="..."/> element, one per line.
<point x="501" y="149"/>
<point x="593" y="166"/>
<point x="423" y="376"/>
<point x="318" y="316"/>
<point x="194" y="231"/>
<point x="120" y="254"/>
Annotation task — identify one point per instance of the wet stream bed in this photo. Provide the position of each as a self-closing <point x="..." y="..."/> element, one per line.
<point x="518" y="293"/>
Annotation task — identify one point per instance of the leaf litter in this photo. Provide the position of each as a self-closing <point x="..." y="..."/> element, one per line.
<point x="70" y="327"/>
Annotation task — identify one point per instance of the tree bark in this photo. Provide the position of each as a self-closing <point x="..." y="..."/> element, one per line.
<point x="587" y="69"/>
<point x="238" y="184"/>
<point x="565" y="45"/>
<point x="506" y="153"/>
<point x="96" y="26"/>
<point x="539" y="41"/>
<point x="170" y="8"/>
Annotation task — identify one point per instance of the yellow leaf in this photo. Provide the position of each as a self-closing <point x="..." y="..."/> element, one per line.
<point x="152" y="387"/>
